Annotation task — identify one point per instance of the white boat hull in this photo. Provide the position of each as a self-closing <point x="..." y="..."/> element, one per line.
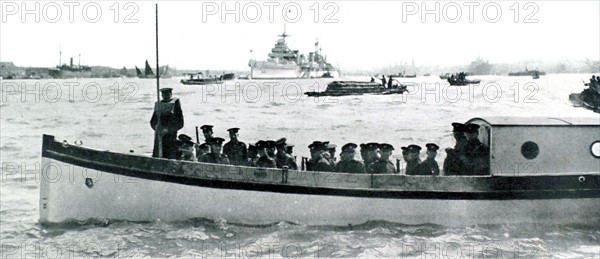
<point x="64" y="196"/>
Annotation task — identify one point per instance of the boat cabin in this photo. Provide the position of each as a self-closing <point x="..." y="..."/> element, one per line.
<point x="524" y="146"/>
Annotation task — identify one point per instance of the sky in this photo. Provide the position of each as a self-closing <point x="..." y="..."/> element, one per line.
<point x="352" y="34"/>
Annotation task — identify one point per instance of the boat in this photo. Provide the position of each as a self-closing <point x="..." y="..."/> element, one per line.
<point x="200" y="79"/>
<point x="342" y="88"/>
<point x="527" y="73"/>
<point x="403" y="75"/>
<point x="535" y="177"/>
<point x="65" y="71"/>
<point x="588" y="98"/>
<point x="461" y="80"/>
<point x="285" y="63"/>
<point x="148" y="73"/>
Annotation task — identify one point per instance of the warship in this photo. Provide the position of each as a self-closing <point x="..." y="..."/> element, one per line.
<point x="285" y="63"/>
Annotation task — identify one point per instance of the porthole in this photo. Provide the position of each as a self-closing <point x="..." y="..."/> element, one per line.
<point x="595" y="149"/>
<point x="530" y="150"/>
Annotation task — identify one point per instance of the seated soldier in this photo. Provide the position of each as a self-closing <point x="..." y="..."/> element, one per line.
<point x="430" y="166"/>
<point x="383" y="164"/>
<point x="282" y="158"/>
<point x="215" y="156"/>
<point x="201" y="150"/>
<point x="318" y="162"/>
<point x="252" y="155"/>
<point x="347" y="163"/>
<point x="413" y="159"/>
<point x="372" y="154"/>
<point x="263" y="149"/>
<point x="187" y="148"/>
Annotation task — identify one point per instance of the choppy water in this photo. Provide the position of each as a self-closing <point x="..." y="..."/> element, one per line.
<point x="117" y="119"/>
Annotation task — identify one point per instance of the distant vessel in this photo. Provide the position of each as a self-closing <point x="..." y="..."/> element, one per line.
<point x="200" y="79"/>
<point x="70" y="71"/>
<point x="460" y="79"/>
<point x="342" y="88"/>
<point x="148" y="73"/>
<point x="165" y="72"/>
<point x="284" y="63"/>
<point x="588" y="98"/>
<point x="527" y="73"/>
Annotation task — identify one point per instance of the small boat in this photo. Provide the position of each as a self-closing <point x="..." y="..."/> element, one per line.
<point x="527" y="73"/>
<point x="535" y="176"/>
<point x="588" y="98"/>
<point x="342" y="88"/>
<point x="458" y="82"/>
<point x="200" y="79"/>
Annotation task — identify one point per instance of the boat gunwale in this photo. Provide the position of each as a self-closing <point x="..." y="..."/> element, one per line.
<point x="279" y="186"/>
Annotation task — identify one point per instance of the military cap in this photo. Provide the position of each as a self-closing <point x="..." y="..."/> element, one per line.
<point x="216" y="141"/>
<point x="472" y="128"/>
<point x="413" y="148"/>
<point x="260" y="144"/>
<point x="203" y="146"/>
<point x="166" y="90"/>
<point x="184" y="138"/>
<point x="363" y="146"/>
<point x="206" y="127"/>
<point x="432" y="147"/>
<point x="234" y="130"/>
<point x="458" y="127"/>
<point x="386" y="147"/>
<point x="349" y="147"/>
<point x="251" y="147"/>
<point x="270" y="144"/>
<point x="316" y="145"/>
<point x="281" y="142"/>
<point x="372" y="146"/>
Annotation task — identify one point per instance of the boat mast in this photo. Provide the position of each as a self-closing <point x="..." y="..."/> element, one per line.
<point x="160" y="151"/>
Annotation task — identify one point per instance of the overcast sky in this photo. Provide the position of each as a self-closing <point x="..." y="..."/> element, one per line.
<point x="353" y="34"/>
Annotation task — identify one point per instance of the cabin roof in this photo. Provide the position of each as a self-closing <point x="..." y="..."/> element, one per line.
<point x="538" y="121"/>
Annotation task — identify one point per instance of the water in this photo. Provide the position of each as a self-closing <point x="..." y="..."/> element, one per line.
<point x="113" y="114"/>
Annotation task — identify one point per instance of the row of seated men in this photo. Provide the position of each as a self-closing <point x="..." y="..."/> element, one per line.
<point x="468" y="157"/>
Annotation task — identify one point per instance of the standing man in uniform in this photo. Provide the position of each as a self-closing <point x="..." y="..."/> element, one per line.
<point x="282" y="158"/>
<point x="235" y="150"/>
<point x="476" y="154"/>
<point x="412" y="164"/>
<point x="452" y="163"/>
<point x="215" y="156"/>
<point x="430" y="166"/>
<point x="171" y="120"/>
<point x="383" y="164"/>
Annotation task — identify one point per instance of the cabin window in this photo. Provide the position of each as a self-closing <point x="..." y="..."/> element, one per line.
<point x="530" y="150"/>
<point x="595" y="149"/>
